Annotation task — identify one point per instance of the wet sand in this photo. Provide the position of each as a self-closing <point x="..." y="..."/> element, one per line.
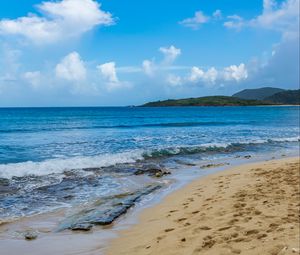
<point x="249" y="209"/>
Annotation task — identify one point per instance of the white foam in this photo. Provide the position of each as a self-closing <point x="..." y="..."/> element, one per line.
<point x="286" y="139"/>
<point x="59" y="165"/>
<point x="215" y="145"/>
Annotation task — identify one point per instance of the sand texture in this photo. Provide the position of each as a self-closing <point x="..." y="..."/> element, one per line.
<point x="250" y="209"/>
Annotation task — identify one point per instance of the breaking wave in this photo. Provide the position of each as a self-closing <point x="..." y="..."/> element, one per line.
<point x="60" y="165"/>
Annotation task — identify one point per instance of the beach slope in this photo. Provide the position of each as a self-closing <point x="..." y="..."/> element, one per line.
<point x="250" y="209"/>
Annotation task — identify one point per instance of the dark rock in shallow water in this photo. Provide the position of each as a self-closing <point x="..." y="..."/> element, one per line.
<point x="182" y="162"/>
<point x="30" y="235"/>
<point x="247" y="156"/>
<point x="4" y="182"/>
<point x="152" y="170"/>
<point x="108" y="209"/>
<point x="6" y="188"/>
<point x="82" y="227"/>
<point x="213" y="165"/>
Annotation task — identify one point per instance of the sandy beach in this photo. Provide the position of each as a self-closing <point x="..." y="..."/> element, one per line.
<point x="249" y="209"/>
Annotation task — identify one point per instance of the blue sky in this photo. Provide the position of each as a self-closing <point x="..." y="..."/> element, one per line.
<point x="109" y="52"/>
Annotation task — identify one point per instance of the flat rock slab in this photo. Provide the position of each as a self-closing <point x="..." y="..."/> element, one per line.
<point x="106" y="210"/>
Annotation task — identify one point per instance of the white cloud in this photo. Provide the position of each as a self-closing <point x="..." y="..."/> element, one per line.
<point x="33" y="78"/>
<point x="71" y="68"/>
<point x="108" y="71"/>
<point x="196" y="74"/>
<point x="236" y="73"/>
<point x="282" y="17"/>
<point x="217" y="14"/>
<point x="170" y="54"/>
<point x="196" y="21"/>
<point x="59" y="20"/>
<point x="212" y="75"/>
<point x="209" y="77"/>
<point x="109" y="74"/>
<point x="234" y="21"/>
<point x="148" y="67"/>
<point x="174" y="80"/>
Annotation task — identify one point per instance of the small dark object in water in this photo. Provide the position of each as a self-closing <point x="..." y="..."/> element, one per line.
<point x="213" y="165"/>
<point x="247" y="156"/>
<point x="152" y="170"/>
<point x="30" y="235"/>
<point x="82" y="227"/>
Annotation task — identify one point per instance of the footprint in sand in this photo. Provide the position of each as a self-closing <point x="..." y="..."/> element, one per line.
<point x="169" y="229"/>
<point x="204" y="228"/>
<point x="224" y="228"/>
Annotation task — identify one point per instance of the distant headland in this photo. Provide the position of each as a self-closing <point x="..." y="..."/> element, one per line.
<point x="247" y="97"/>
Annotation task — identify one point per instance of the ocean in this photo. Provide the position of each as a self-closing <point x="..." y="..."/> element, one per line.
<point x="53" y="158"/>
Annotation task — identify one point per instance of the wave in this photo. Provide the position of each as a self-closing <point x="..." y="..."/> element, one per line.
<point x="53" y="166"/>
<point x="149" y="125"/>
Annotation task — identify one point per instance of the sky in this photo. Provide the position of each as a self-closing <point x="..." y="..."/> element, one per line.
<point x="116" y="53"/>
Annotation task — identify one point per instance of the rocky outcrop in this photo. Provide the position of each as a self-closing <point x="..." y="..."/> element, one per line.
<point x="106" y="210"/>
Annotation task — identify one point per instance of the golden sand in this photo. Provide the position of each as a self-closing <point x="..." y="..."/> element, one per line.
<point x="250" y="209"/>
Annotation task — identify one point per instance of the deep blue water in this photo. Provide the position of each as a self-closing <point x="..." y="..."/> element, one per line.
<point x="49" y="141"/>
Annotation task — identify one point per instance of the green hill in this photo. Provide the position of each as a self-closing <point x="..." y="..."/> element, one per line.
<point x="257" y="94"/>
<point x="285" y="97"/>
<point x="207" y="101"/>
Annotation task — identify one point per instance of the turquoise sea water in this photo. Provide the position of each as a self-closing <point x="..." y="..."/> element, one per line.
<point x="46" y="150"/>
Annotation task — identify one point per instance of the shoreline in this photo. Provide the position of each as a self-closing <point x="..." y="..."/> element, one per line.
<point x="223" y="213"/>
<point x="100" y="240"/>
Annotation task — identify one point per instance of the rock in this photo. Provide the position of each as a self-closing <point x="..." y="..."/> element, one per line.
<point x="82" y="227"/>
<point x="106" y="210"/>
<point x="4" y="182"/>
<point x="139" y="172"/>
<point x="182" y="162"/>
<point x="30" y="235"/>
<point x="213" y="165"/>
<point x="247" y="156"/>
<point x="159" y="174"/>
<point x="152" y="170"/>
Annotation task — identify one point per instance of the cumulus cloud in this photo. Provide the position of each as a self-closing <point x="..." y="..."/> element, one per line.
<point x="174" y="80"/>
<point x="148" y="67"/>
<point x="109" y="75"/>
<point x="208" y="77"/>
<point x="196" y="21"/>
<point x="58" y="20"/>
<point x="170" y="54"/>
<point x="71" y="68"/>
<point x="282" y="17"/>
<point x="236" y="73"/>
<point x="212" y="75"/>
<point x="108" y="71"/>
